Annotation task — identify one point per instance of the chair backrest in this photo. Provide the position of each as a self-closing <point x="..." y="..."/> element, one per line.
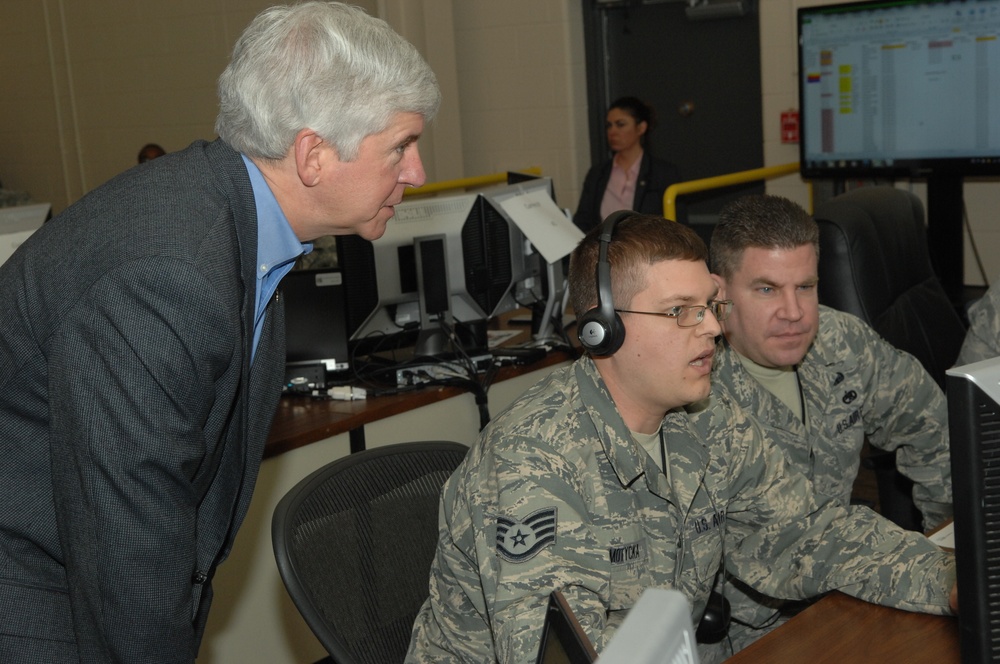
<point x="354" y="543"/>
<point x="874" y="263"/>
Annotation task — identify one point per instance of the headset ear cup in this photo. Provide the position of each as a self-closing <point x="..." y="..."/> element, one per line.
<point x="616" y="335"/>
<point x="592" y="330"/>
<point x="599" y="334"/>
<point x="600" y="330"/>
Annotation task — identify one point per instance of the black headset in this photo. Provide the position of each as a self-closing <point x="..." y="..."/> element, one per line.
<point x="600" y="330"/>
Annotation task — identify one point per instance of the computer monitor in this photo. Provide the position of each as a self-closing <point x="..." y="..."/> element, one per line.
<point x="899" y="87"/>
<point x="564" y="640"/>
<point x="530" y="204"/>
<point x="431" y="253"/>
<point x="491" y="268"/>
<point x="974" y="426"/>
<point x="657" y="629"/>
<point x="904" y="88"/>
<point x="315" y="328"/>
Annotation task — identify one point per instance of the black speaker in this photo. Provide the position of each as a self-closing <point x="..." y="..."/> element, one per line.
<point x="600" y="330"/>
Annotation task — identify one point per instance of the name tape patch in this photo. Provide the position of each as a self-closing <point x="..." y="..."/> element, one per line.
<point x="627" y="554"/>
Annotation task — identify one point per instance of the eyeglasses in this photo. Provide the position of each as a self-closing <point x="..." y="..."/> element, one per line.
<point x="690" y="315"/>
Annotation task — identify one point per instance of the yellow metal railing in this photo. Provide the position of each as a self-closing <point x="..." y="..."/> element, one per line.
<point x="466" y="183"/>
<point x="692" y="186"/>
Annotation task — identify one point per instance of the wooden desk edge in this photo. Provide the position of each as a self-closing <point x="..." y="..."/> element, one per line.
<point x="837" y="604"/>
<point x="843" y="629"/>
<point x="300" y="421"/>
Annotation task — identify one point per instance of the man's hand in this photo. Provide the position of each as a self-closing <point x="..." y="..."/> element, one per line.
<point x="953" y="599"/>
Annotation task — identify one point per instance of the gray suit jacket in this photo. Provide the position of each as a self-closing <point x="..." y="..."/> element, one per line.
<point x="131" y="421"/>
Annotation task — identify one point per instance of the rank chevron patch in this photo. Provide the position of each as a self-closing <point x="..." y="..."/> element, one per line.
<point x="521" y="540"/>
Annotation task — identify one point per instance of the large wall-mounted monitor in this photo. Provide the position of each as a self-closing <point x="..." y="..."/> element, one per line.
<point x="899" y="88"/>
<point x="904" y="88"/>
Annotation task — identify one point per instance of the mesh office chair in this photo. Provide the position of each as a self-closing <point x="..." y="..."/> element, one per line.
<point x="874" y="263"/>
<point x="354" y="543"/>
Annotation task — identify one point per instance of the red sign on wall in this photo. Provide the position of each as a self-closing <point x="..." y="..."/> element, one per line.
<point x="790" y="126"/>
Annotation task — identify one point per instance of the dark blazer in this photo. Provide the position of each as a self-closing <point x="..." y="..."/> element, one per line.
<point x="655" y="175"/>
<point x="131" y="421"/>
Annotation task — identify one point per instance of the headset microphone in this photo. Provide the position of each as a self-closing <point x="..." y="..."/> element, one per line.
<point x="714" y="625"/>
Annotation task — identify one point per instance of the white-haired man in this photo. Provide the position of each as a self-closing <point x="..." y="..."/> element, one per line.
<point x="143" y="348"/>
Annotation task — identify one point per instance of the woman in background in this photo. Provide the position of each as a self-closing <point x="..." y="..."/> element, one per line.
<point x="632" y="179"/>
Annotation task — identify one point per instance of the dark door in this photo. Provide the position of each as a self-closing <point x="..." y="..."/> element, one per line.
<point x="701" y="76"/>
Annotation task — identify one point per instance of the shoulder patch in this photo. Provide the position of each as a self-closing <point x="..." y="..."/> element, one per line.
<point x="520" y="540"/>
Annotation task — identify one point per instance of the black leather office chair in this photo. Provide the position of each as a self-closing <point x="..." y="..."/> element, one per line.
<point x="874" y="263"/>
<point x="354" y="543"/>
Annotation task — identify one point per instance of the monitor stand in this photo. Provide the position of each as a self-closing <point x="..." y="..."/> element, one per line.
<point x="432" y="341"/>
<point x="945" y="208"/>
<point x="436" y="324"/>
<point x="542" y="318"/>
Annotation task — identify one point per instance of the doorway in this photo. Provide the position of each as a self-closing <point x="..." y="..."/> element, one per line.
<point x="702" y="77"/>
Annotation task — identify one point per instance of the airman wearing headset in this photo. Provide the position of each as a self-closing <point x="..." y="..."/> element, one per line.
<point x="597" y="481"/>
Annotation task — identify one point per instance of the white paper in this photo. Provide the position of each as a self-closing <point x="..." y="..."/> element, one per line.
<point x="497" y="337"/>
<point x="945" y="538"/>
<point x="551" y="232"/>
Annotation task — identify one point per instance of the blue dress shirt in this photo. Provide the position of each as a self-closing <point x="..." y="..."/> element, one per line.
<point x="277" y="246"/>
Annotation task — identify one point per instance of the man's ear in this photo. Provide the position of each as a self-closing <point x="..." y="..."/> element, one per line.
<point x="721" y="283"/>
<point x="309" y="151"/>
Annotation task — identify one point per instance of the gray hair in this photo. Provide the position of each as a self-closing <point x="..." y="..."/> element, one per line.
<point x="323" y="65"/>
<point x="763" y="221"/>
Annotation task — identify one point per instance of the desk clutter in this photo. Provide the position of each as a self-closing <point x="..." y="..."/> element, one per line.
<point x="457" y="287"/>
<point x="324" y="362"/>
<point x="394" y="365"/>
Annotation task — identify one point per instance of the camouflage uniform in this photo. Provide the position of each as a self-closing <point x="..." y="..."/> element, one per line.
<point x="557" y="495"/>
<point x="854" y="384"/>
<point x="982" y="341"/>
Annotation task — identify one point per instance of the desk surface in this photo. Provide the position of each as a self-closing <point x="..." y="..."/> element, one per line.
<point x="300" y="420"/>
<point x="842" y="629"/>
